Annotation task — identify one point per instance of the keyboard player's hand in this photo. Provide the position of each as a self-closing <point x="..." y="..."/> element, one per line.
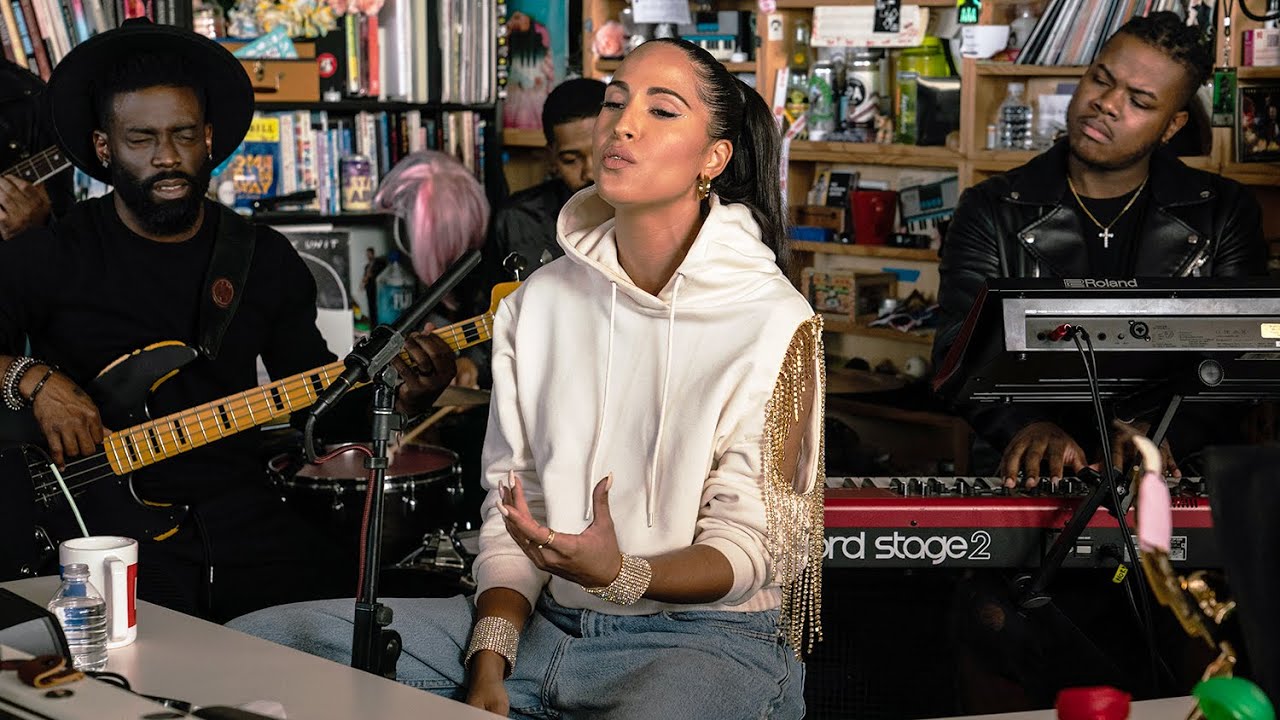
<point x="1125" y="455"/>
<point x="1041" y="449"/>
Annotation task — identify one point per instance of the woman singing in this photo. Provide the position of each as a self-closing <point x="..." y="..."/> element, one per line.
<point x="652" y="536"/>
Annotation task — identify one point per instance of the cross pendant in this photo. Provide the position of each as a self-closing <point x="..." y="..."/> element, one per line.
<point x="1106" y="236"/>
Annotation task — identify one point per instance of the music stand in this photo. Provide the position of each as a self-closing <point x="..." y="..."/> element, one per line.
<point x="1157" y="344"/>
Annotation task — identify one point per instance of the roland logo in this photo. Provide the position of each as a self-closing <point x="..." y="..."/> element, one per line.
<point x="1092" y="283"/>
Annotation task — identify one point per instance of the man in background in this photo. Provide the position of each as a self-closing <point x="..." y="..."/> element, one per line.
<point x="526" y="223"/>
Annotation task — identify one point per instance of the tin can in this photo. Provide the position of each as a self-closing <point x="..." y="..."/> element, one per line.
<point x="863" y="93"/>
<point x="358" y="183"/>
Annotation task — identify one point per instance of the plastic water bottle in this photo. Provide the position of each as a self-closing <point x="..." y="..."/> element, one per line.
<point x="395" y="290"/>
<point x="1014" y="121"/>
<point x="83" y="615"/>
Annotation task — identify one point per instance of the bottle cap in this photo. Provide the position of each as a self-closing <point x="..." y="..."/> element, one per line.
<point x="1092" y="703"/>
<point x="1232" y="699"/>
<point x="75" y="570"/>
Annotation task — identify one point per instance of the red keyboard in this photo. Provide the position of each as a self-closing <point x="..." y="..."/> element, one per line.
<point x="975" y="522"/>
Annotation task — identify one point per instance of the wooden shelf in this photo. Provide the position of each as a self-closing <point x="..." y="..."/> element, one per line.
<point x="520" y="137"/>
<point x="1008" y="69"/>
<point x="733" y="67"/>
<point x="875" y="154"/>
<point x="306" y="217"/>
<point x="369" y="105"/>
<point x="998" y="161"/>
<point x="875" y="251"/>
<point x="1252" y="173"/>
<point x="1258" y="72"/>
<point x="849" y="327"/>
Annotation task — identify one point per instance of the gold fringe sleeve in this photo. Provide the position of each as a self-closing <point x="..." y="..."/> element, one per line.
<point x="794" y="504"/>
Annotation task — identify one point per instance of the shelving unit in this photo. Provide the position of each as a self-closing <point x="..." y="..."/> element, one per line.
<point x="849" y="327"/>
<point x="874" y="251"/>
<point x="874" y="154"/>
<point x="608" y="66"/>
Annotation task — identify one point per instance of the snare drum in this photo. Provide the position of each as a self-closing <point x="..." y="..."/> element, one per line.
<point x="422" y="487"/>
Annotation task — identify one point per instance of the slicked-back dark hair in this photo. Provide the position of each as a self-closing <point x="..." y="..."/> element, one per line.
<point x="1170" y="34"/>
<point x="740" y="115"/>
<point x="139" y="71"/>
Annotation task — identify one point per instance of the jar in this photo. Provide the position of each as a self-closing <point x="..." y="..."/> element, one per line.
<point x="925" y="60"/>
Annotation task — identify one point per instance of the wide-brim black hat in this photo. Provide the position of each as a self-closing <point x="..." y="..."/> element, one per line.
<point x="228" y="91"/>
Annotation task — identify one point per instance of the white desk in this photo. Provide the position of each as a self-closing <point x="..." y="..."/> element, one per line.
<point x="1164" y="709"/>
<point x="181" y="657"/>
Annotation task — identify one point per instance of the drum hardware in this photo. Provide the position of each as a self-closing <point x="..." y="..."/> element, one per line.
<point x="426" y="479"/>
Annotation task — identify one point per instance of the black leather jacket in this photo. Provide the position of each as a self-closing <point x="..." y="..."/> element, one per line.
<point x="1022" y="224"/>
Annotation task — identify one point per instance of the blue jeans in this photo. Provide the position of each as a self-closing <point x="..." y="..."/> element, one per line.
<point x="577" y="663"/>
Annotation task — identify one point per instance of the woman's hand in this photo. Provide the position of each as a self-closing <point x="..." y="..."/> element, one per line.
<point x="591" y="559"/>
<point x="484" y="683"/>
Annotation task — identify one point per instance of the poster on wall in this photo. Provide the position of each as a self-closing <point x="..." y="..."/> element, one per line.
<point x="538" y="35"/>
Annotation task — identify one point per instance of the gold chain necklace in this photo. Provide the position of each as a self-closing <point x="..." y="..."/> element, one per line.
<point x="1105" y="230"/>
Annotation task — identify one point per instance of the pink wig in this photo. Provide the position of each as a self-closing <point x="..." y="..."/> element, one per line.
<point x="442" y="203"/>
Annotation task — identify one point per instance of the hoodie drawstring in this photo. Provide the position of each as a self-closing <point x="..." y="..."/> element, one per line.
<point x="651" y="484"/>
<point x="604" y="400"/>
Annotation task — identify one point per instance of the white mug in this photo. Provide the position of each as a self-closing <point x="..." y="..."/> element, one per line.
<point x="113" y="570"/>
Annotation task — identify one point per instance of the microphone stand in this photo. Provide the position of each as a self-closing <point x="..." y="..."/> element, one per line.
<point x="374" y="648"/>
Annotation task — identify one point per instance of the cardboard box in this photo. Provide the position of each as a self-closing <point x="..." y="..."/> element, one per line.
<point x="287" y="81"/>
<point x="821" y="216"/>
<point x="848" y="294"/>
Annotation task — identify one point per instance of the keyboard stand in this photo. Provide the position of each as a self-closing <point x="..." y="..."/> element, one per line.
<point x="1031" y="590"/>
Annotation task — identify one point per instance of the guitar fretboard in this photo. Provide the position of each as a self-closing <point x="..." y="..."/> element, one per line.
<point x="41" y="166"/>
<point x="166" y="437"/>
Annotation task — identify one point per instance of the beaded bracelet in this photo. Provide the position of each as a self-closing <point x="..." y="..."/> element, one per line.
<point x="630" y="585"/>
<point x="497" y="634"/>
<point x="12" y="377"/>
<point x="31" y="399"/>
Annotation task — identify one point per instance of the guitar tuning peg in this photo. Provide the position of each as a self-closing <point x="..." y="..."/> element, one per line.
<point x="515" y="264"/>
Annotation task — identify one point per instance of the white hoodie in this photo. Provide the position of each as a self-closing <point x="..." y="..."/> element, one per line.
<point x="592" y="375"/>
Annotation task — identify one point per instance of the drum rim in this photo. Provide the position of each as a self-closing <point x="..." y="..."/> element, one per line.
<point x="453" y="470"/>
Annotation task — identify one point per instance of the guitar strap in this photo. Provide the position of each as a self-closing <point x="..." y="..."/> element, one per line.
<point x="225" y="280"/>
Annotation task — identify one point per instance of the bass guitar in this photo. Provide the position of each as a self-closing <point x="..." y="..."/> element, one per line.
<point x="34" y="512"/>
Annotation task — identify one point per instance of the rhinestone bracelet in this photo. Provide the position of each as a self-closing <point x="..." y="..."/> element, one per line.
<point x="630" y="585"/>
<point x="12" y="378"/>
<point x="497" y="634"/>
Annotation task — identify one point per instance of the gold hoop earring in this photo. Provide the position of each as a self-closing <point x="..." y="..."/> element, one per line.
<point x="704" y="187"/>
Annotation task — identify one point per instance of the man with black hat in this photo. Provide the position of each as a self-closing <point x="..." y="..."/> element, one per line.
<point x="151" y="109"/>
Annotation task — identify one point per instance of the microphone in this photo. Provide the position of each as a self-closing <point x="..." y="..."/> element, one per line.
<point x="372" y="354"/>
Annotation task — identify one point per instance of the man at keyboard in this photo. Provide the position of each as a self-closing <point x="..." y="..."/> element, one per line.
<point x="1108" y="201"/>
